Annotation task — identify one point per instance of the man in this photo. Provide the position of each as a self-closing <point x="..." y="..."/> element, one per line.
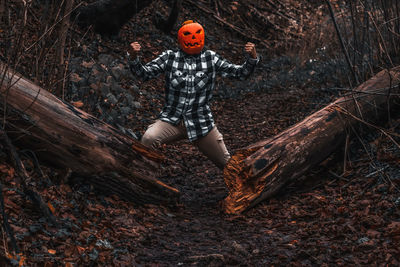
<point x="189" y="81"/>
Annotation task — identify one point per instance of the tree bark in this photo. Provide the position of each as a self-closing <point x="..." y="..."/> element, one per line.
<point x="70" y="138"/>
<point x="261" y="170"/>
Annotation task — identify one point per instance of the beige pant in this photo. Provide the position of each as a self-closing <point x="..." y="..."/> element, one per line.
<point x="212" y="145"/>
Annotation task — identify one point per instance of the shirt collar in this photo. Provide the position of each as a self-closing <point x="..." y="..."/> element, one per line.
<point x="188" y="56"/>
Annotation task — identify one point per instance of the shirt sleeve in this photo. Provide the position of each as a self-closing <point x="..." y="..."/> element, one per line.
<point x="152" y="69"/>
<point x="227" y="69"/>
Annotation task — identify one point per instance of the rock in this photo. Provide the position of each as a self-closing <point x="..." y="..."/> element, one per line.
<point x="99" y="108"/>
<point x="105" y="89"/>
<point x="122" y="129"/>
<point x="108" y="119"/>
<point x="92" y="79"/>
<point x="125" y="110"/>
<point x="73" y="89"/>
<point x="239" y="248"/>
<point x="117" y="72"/>
<point x="82" y="92"/>
<point x="112" y="99"/>
<point x="110" y="79"/>
<point x="103" y="244"/>
<point x="136" y="104"/>
<point x="34" y="228"/>
<point x="74" y="63"/>
<point x="363" y="240"/>
<point x="99" y="75"/>
<point x="120" y="120"/>
<point x="94" y="254"/>
<point x="105" y="59"/>
<point x="134" y="88"/>
<point x="117" y="88"/>
<point x="129" y="99"/>
<point x="114" y="114"/>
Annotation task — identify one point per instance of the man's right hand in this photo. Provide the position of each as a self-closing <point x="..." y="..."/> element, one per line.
<point x="134" y="49"/>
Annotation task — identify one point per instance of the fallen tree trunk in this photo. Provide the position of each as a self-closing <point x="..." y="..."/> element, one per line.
<point x="70" y="138"/>
<point x="261" y="170"/>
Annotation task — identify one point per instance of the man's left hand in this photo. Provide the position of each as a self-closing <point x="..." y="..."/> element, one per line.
<point x="251" y="49"/>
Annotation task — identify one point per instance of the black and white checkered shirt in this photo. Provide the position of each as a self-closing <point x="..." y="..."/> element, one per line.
<point x="189" y="82"/>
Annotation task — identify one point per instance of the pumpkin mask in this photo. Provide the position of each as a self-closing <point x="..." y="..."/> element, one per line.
<point x="191" y="37"/>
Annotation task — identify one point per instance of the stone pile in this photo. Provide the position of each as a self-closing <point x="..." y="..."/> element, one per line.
<point x="102" y="84"/>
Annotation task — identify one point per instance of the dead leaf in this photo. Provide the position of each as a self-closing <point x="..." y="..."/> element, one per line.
<point x="74" y="77"/>
<point x="394" y="229"/>
<point x="87" y="65"/>
<point x="51" y="207"/>
<point x="77" y="104"/>
<point x="80" y="249"/>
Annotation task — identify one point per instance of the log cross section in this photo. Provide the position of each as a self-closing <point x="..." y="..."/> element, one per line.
<point x="261" y="170"/>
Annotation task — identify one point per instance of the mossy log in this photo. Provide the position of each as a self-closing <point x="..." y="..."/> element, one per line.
<point x="69" y="138"/>
<point x="260" y="171"/>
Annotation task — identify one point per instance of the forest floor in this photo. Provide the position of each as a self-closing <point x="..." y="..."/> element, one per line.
<point x="327" y="218"/>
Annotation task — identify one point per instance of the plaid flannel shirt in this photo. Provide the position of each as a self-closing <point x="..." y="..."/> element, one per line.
<point x="189" y="82"/>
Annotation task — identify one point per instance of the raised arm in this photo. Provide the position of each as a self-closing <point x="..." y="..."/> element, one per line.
<point x="151" y="69"/>
<point x="227" y="69"/>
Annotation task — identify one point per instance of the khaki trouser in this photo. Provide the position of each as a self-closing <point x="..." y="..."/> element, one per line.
<point x="212" y="145"/>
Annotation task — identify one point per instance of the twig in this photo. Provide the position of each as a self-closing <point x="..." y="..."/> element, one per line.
<point x="216" y="7"/>
<point x="233" y="27"/>
<point x="371" y="92"/>
<point x="7" y="227"/>
<point x="346" y="148"/>
<point x="375" y="172"/>
<point x="385" y="132"/>
<point x="341" y="41"/>
<point x="383" y="41"/>
<point x="340" y="177"/>
<point x="23" y="174"/>
<point x="382" y="174"/>
<point x="51" y="28"/>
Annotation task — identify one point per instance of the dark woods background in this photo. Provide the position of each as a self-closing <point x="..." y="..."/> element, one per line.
<point x="38" y="37"/>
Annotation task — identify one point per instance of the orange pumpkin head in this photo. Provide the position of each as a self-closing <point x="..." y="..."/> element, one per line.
<point x="191" y="37"/>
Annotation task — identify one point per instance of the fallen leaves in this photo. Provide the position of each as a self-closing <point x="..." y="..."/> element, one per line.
<point x="18" y="258"/>
<point x="393" y="230"/>
<point x="51" y="207"/>
<point x="77" y="104"/>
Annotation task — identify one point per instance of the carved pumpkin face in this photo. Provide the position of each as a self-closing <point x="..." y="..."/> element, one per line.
<point x="191" y="37"/>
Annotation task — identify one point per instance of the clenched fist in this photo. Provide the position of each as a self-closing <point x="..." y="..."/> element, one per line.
<point x="251" y="49"/>
<point x="134" y="49"/>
